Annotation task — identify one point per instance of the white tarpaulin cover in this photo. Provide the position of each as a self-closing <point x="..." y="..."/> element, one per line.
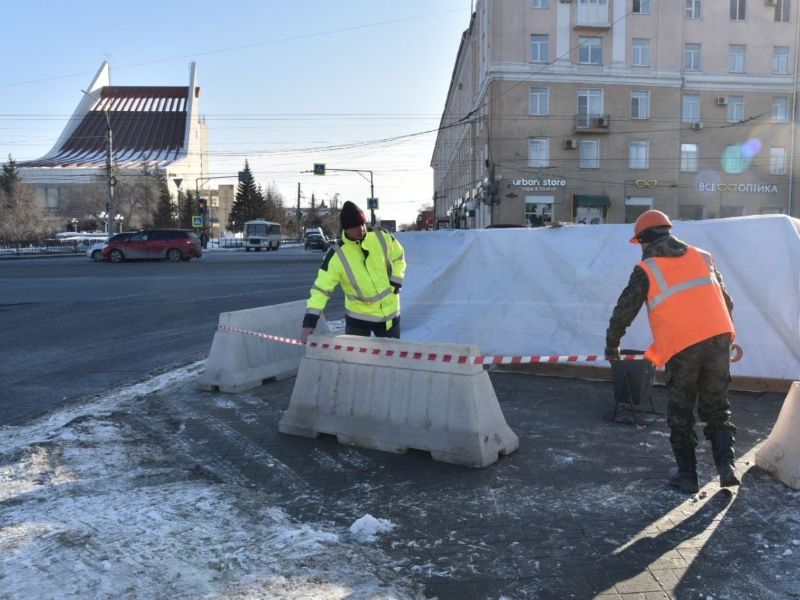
<point x="551" y="290"/>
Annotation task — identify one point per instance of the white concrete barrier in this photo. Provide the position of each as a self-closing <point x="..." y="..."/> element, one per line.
<point x="239" y="362"/>
<point x="371" y="399"/>
<point x="780" y="454"/>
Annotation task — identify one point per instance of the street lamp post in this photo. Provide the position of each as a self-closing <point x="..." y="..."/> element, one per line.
<point x="106" y="219"/>
<point x="197" y="190"/>
<point x="371" y="187"/>
<point x="74" y="223"/>
<point x="119" y="219"/>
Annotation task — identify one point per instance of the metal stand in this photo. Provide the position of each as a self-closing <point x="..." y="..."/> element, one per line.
<point x="633" y="398"/>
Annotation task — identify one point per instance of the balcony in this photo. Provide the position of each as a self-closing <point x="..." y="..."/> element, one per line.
<point x="592" y="123"/>
<point x="592" y="16"/>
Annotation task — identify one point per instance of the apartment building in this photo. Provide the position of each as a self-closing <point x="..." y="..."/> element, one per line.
<point x="592" y="111"/>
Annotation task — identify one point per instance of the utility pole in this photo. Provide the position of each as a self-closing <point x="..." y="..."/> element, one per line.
<point x="299" y="214"/>
<point x="112" y="181"/>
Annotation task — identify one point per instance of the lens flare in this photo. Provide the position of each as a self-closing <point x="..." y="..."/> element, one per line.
<point x="751" y="148"/>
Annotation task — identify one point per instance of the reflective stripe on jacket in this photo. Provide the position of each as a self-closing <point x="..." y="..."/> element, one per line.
<point x="685" y="304"/>
<point x="366" y="271"/>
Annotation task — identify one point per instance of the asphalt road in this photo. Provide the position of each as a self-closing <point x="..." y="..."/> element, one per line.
<point x="71" y="328"/>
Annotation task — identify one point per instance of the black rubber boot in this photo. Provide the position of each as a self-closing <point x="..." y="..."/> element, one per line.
<point x="685" y="476"/>
<point x="722" y="442"/>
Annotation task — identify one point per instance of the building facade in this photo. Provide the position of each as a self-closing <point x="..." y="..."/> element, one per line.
<point x="160" y="126"/>
<point x="592" y="111"/>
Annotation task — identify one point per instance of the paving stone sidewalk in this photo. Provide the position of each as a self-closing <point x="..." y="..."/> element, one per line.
<point x="581" y="510"/>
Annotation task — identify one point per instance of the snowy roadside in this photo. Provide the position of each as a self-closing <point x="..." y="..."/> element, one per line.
<point x="97" y="505"/>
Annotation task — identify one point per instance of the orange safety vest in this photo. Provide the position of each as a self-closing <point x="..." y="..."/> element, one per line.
<point x="685" y="304"/>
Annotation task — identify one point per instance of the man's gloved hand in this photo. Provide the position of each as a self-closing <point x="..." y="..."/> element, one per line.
<point x="396" y="287"/>
<point x="612" y="352"/>
<point x="305" y="333"/>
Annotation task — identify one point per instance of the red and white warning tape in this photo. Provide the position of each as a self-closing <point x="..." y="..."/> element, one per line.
<point x="432" y="356"/>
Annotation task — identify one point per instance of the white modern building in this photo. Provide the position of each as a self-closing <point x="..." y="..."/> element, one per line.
<point x="593" y="111"/>
<point x="160" y="125"/>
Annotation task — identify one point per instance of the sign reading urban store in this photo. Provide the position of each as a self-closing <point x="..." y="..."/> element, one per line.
<point x="752" y="188"/>
<point x="550" y="184"/>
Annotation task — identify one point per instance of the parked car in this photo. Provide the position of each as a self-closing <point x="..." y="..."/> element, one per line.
<point x="172" y="244"/>
<point x="95" y="251"/>
<point x="316" y="241"/>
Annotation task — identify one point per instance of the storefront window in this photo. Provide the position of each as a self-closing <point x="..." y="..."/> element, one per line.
<point x="635" y="207"/>
<point x="538" y="210"/>
<point x="690" y="212"/>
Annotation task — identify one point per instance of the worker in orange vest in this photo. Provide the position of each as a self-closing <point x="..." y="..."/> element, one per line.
<point x="690" y="319"/>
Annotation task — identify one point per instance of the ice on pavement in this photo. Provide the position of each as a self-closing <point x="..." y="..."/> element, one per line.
<point x="94" y="509"/>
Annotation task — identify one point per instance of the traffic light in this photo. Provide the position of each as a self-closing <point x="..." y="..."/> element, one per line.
<point x="202" y="206"/>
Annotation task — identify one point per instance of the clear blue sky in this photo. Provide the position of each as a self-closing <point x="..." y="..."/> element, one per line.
<point x="276" y="77"/>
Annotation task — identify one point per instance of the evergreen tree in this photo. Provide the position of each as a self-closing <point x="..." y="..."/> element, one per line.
<point x="249" y="203"/>
<point x="186" y="209"/>
<point x="164" y="213"/>
<point x="312" y="217"/>
<point x="9" y="177"/>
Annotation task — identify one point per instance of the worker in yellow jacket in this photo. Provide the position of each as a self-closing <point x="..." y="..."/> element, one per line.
<point x="370" y="265"/>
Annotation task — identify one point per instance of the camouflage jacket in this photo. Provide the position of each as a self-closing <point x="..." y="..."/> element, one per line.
<point x="635" y="293"/>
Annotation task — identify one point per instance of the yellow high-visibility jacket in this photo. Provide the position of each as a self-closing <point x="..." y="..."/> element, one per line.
<point x="370" y="272"/>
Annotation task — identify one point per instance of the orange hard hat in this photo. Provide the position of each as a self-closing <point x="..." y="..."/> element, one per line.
<point x="647" y="220"/>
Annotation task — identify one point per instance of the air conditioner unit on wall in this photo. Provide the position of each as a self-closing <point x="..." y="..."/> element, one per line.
<point x="600" y="122"/>
<point x="697" y="126"/>
<point x="570" y="144"/>
<point x="722" y="100"/>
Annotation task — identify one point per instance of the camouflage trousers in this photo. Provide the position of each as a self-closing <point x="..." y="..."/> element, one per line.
<point x="699" y="375"/>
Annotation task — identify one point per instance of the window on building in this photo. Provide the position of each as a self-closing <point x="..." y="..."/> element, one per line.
<point x="590" y="105"/>
<point x="738" y="10"/>
<point x="735" y="109"/>
<point x="725" y="212"/>
<point x="694" y="9"/>
<point x="736" y="58"/>
<point x="689" y="158"/>
<point x="589" y="154"/>
<point x="590" y="51"/>
<point x="639" y="154"/>
<point x="782" y="11"/>
<point x="780" y="109"/>
<point x="691" y="57"/>
<point x="635" y="206"/>
<point x="642" y="7"/>
<point x="539" y="210"/>
<point x="539" y="152"/>
<point x="777" y="161"/>
<point x="539" y="49"/>
<point x="540" y="3"/>
<point x="690" y="212"/>
<point x="690" y="108"/>
<point x="732" y="159"/>
<point x="539" y="101"/>
<point x="641" y="52"/>
<point x="640" y="104"/>
<point x="780" y="59"/>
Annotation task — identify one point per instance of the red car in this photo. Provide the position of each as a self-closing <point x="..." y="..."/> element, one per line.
<point x="172" y="244"/>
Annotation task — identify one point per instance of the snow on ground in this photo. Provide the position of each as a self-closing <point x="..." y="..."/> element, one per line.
<point x="92" y="508"/>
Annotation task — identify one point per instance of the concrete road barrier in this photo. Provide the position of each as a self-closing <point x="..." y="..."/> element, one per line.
<point x="370" y="399"/>
<point x="239" y="362"/>
<point x="780" y="454"/>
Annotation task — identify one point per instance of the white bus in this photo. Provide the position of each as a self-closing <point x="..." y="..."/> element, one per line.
<point x="262" y="234"/>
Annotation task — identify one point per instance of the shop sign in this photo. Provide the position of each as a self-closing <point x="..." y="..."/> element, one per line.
<point x="753" y="188"/>
<point x="548" y="184"/>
